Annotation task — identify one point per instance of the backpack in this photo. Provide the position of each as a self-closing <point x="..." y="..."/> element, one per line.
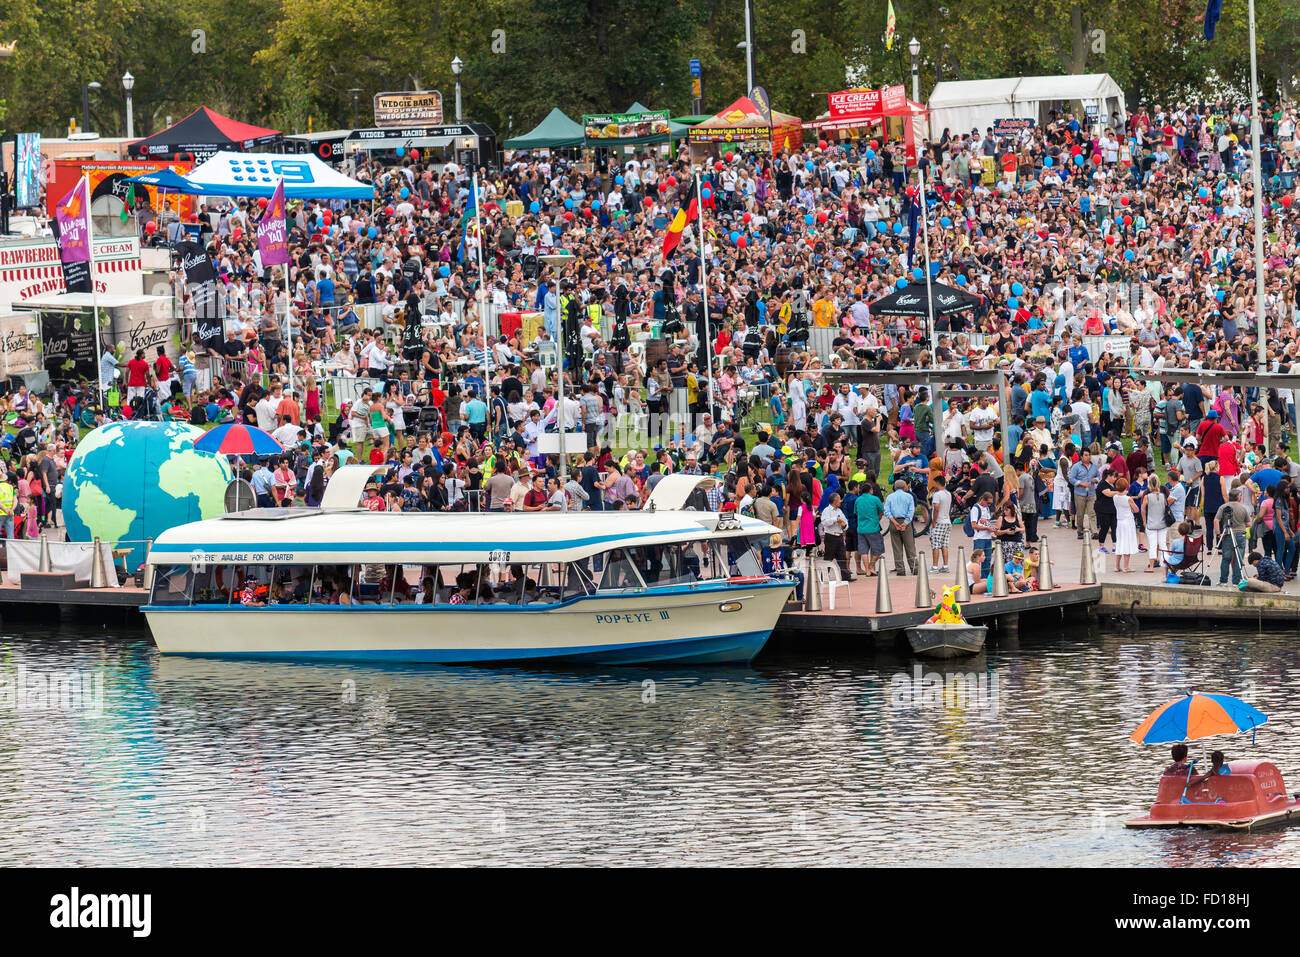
<point x="966" y="524"/>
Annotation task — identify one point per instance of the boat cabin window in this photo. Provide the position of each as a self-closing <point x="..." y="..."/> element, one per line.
<point x="468" y="584"/>
<point x="619" y="572"/>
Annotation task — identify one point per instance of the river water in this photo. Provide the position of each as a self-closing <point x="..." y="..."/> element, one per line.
<point x="802" y="759"/>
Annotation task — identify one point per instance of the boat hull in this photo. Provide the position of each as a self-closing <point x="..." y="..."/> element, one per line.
<point x="685" y="627"/>
<point x="946" y="640"/>
<point x="1251" y="797"/>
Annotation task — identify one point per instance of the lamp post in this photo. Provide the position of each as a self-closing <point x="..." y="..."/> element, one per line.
<point x="128" y="83"/>
<point x="914" y="48"/>
<point x="356" y="93"/>
<point x="85" y="104"/>
<point x="456" y="67"/>
<point x="749" y="46"/>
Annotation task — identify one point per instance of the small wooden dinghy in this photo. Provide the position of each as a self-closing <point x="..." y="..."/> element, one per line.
<point x="946" y="639"/>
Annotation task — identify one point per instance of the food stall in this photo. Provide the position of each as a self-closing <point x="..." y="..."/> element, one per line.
<point x="743" y="126"/>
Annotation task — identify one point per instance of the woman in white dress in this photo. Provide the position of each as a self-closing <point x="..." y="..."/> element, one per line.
<point x="1126" y="539"/>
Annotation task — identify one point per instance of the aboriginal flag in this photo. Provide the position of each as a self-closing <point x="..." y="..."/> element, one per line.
<point x="689" y="210"/>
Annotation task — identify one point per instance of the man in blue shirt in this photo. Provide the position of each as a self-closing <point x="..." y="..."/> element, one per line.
<point x="475" y="412"/>
<point x="899" y="510"/>
<point x="262" y="481"/>
<point x="1084" y="476"/>
<point x="551" y="310"/>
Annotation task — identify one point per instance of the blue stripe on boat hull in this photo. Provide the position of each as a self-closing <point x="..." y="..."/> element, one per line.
<point x="721" y="649"/>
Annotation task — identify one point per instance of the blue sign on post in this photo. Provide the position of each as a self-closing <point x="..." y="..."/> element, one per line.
<point x="695" y="68"/>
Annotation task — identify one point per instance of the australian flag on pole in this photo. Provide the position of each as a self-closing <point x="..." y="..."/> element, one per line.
<point x="1212" y="10"/>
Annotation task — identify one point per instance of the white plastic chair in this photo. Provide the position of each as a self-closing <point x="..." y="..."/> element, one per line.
<point x="829" y="579"/>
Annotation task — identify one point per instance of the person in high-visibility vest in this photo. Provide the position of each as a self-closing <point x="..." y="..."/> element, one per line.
<point x="8" y="502"/>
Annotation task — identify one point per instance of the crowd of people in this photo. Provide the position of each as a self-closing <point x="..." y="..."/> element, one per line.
<point x="1138" y="231"/>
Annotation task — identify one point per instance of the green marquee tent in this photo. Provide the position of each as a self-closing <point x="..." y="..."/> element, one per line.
<point x="557" y="131"/>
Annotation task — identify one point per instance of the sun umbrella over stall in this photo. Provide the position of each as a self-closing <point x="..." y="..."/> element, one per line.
<point x="238" y="439"/>
<point x="1195" y="716"/>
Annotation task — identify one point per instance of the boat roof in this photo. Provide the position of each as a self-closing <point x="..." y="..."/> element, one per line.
<point x="299" y="536"/>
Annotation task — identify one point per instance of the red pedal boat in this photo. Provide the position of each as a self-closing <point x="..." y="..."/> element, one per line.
<point x="1249" y="797"/>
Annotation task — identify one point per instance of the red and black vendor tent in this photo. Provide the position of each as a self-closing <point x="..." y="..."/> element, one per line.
<point x="202" y="134"/>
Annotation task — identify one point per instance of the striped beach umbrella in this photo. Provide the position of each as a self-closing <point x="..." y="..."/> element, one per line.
<point x="1197" y="716"/>
<point x="238" y="439"/>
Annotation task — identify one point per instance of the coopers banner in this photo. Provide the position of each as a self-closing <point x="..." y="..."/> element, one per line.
<point x="201" y="281"/>
<point x="73" y="218"/>
<point x="272" y="231"/>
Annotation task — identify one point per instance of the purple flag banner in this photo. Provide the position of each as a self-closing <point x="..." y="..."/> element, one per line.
<point x="73" y="218"/>
<point x="273" y="232"/>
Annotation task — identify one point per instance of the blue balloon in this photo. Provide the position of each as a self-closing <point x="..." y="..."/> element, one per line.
<point x="961" y="280"/>
<point x="535" y="207"/>
<point x="898" y="229"/>
<point x="1218" y="294"/>
<point x="809" y="166"/>
<point x="734" y="235"/>
<point x="1047" y="161"/>
<point x="1130" y="255"/>
<point x="595" y="204"/>
<point x="372" y="232"/>
<point x="917" y="274"/>
<point x="1013" y="303"/>
<point x="808" y="218"/>
<point x="1017" y="289"/>
<point x="871" y="154"/>
<point x="945" y="222"/>
<point x="401" y="151"/>
<point x="618" y="180"/>
<point x="901" y="284"/>
<point x="706" y="192"/>
<point x="405" y="192"/>
<point x="1203" y="193"/>
<point x="1078" y="159"/>
<point x="568" y="204"/>
<point x="444" y="271"/>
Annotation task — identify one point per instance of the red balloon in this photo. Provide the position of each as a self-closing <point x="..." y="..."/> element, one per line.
<point x="415" y="154"/>
<point x="875" y="145"/>
<point x="586" y="211"/>
<point x="568" y="217"/>
<point x="1110" y="240"/>
<point x="329" y="217"/>
<point x="730" y="156"/>
<point x="388" y="211"/>
<point x="718" y="166"/>
<point x="151" y="227"/>
<point x="663" y="187"/>
<point x="821" y="144"/>
<point x="822" y="217"/>
<point x="648" y="202"/>
<point x="1286" y="200"/>
<point x="672" y="180"/>
<point x="262" y="203"/>
<point x="1076" y="150"/>
<point x="746" y="217"/>
<point x="1096" y="158"/>
<point x="742" y="242"/>
<point x="1123" y="200"/>
<point x="1128" y="220"/>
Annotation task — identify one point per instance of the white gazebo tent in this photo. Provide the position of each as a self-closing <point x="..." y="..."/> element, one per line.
<point x="963" y="105"/>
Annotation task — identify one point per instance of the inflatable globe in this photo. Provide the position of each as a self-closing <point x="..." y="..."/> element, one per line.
<point x="129" y="481"/>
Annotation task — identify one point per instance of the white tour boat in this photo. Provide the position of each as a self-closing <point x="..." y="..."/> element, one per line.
<point x="663" y="584"/>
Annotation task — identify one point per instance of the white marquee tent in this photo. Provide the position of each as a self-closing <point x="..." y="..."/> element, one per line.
<point x="256" y="174"/>
<point x="963" y="105"/>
